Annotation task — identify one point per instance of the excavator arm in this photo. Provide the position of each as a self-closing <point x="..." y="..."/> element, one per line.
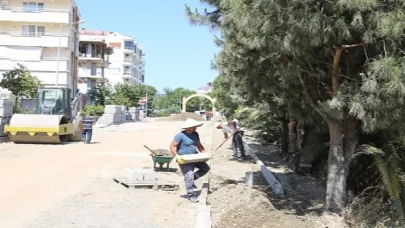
<point x="77" y="109"/>
<point x="77" y="105"/>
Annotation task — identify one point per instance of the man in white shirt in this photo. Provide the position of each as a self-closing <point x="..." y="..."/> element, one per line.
<point x="234" y="128"/>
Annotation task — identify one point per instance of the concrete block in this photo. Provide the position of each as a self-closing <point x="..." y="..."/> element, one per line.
<point x="268" y="175"/>
<point x="149" y="174"/>
<point x="6" y="111"/>
<point x="249" y="179"/>
<point x="203" y="217"/>
<point x="6" y="103"/>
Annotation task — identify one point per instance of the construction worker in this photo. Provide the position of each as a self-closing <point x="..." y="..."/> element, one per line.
<point x="87" y="132"/>
<point x="188" y="142"/>
<point x="233" y="128"/>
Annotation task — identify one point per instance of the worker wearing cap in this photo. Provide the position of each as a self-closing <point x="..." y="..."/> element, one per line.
<point x="234" y="128"/>
<point x="188" y="142"/>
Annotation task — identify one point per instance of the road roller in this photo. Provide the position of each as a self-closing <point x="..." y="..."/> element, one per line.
<point x="57" y="119"/>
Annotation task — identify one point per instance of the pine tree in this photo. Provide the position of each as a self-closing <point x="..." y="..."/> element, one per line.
<point x="344" y="57"/>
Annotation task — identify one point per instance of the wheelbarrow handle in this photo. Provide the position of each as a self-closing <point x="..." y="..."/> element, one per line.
<point x="153" y="152"/>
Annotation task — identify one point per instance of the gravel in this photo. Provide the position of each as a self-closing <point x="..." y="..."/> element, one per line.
<point x="234" y="204"/>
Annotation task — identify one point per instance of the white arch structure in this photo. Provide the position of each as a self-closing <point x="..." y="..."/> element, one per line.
<point x="186" y="99"/>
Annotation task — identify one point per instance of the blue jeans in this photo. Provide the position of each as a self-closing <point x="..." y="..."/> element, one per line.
<point x="190" y="176"/>
<point x="86" y="135"/>
<point x="237" y="142"/>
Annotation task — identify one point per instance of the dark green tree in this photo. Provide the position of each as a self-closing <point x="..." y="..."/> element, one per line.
<point x="339" y="59"/>
<point x="20" y="83"/>
<point x="101" y="94"/>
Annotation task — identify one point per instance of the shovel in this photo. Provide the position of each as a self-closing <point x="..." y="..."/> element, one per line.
<point x="223" y="143"/>
<point x="153" y="152"/>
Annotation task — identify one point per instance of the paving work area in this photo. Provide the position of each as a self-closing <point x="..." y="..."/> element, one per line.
<point x="72" y="185"/>
<point x="234" y="204"/>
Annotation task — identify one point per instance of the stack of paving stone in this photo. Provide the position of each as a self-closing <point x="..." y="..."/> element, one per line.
<point x="134" y="113"/>
<point x="113" y="114"/>
<point x="6" y="111"/>
<point x="141" y="174"/>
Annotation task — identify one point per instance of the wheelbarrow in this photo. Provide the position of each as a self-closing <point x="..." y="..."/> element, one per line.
<point x="160" y="157"/>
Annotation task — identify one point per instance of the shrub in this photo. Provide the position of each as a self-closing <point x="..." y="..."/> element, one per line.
<point x="94" y="110"/>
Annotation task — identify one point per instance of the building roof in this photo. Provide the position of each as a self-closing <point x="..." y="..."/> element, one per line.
<point x="205" y="88"/>
<point x="84" y="31"/>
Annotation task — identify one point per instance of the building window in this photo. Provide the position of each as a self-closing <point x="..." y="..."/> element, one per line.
<point x="40" y="30"/>
<point x="129" y="45"/>
<point x="33" y="30"/>
<point x="135" y="48"/>
<point x="33" y="7"/>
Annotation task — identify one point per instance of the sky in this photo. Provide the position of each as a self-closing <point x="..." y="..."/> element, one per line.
<point x="177" y="53"/>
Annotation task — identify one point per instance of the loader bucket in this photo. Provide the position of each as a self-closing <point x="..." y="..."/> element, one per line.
<point x="42" y="129"/>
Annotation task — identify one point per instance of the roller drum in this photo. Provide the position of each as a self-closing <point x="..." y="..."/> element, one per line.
<point x="43" y="129"/>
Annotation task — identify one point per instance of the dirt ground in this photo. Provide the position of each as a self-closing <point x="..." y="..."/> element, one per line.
<point x="71" y="185"/>
<point x="234" y="204"/>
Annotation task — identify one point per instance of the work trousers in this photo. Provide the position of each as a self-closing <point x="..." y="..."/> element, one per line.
<point x="86" y="135"/>
<point x="237" y="142"/>
<point x="190" y="176"/>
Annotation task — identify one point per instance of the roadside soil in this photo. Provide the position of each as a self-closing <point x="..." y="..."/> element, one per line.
<point x="234" y="204"/>
<point x="72" y="185"/>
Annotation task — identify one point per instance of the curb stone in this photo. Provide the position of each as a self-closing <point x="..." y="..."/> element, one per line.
<point x="268" y="175"/>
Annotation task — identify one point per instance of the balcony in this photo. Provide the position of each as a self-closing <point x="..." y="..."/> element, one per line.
<point x="34" y="39"/>
<point x="128" y="61"/>
<point x="128" y="47"/>
<point x="35" y="14"/>
<point x="86" y="73"/>
<point x="128" y="75"/>
<point x="97" y="58"/>
<point x="45" y="64"/>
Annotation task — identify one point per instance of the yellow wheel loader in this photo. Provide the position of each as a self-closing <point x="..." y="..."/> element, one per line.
<point x="57" y="119"/>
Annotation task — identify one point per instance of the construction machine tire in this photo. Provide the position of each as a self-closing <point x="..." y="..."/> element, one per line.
<point x="41" y="129"/>
<point x="77" y="130"/>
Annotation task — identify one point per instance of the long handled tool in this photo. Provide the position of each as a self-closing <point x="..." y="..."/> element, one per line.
<point x="153" y="152"/>
<point x="223" y="143"/>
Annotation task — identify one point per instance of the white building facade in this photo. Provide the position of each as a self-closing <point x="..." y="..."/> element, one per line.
<point x="93" y="61"/>
<point x="30" y="34"/>
<point x="127" y="62"/>
<point x="205" y="89"/>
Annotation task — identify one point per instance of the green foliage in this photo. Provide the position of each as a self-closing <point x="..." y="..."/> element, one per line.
<point x="258" y="120"/>
<point x="18" y="110"/>
<point x="171" y="100"/>
<point x="333" y="63"/>
<point x="122" y="94"/>
<point x="392" y="174"/>
<point x="93" y="110"/>
<point x="20" y="83"/>
<point x="223" y="91"/>
<point x="101" y="94"/>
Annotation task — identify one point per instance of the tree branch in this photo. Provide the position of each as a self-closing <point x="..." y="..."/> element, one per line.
<point x="310" y="99"/>
<point x="336" y="69"/>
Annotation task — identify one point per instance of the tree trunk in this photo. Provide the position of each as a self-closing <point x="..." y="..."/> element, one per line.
<point x="300" y="135"/>
<point x="341" y="151"/>
<point x="284" y="137"/>
<point x="292" y="134"/>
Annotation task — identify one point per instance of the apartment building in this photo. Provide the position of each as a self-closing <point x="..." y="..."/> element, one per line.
<point x="32" y="31"/>
<point x="93" y="60"/>
<point x="127" y="60"/>
<point x="142" y="64"/>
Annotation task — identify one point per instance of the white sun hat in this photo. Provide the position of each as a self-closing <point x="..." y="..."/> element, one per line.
<point x="217" y="124"/>
<point x="191" y="123"/>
